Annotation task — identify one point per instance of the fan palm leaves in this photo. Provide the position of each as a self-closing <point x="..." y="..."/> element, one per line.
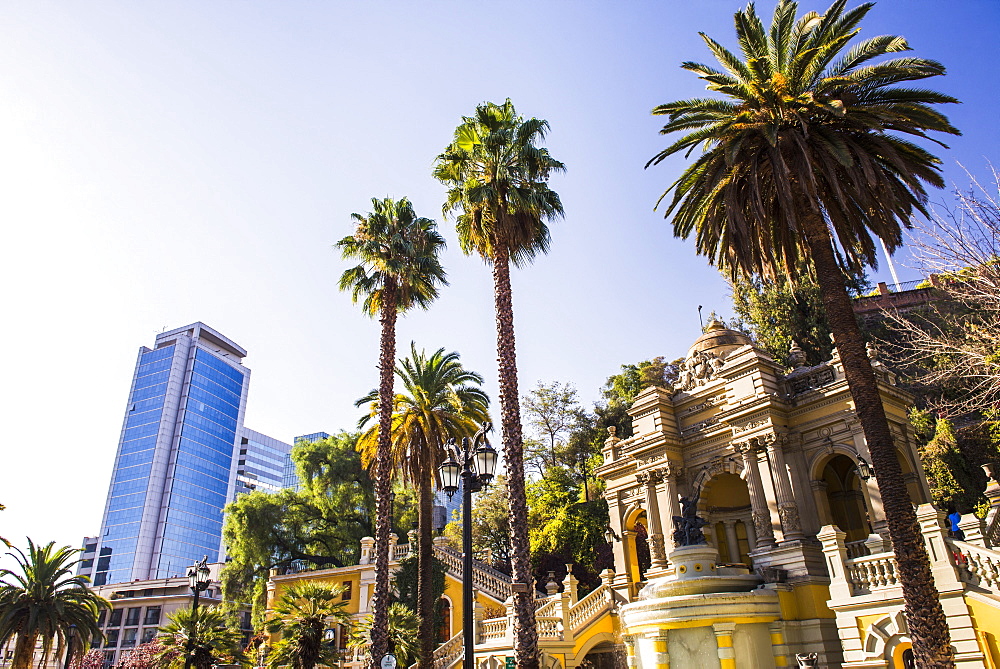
<point x="399" y="269"/>
<point x="402" y="634"/>
<point x="440" y="400"/>
<point x="204" y="637"/>
<point x="811" y="149"/>
<point x="497" y="178"/>
<point x="302" y="615"/>
<point x="46" y="601"/>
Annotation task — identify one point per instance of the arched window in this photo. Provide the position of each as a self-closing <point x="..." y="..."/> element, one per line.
<point x="444" y="608"/>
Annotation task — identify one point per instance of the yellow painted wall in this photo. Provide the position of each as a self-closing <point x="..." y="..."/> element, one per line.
<point x="986" y="621"/>
<point x="339" y="577"/>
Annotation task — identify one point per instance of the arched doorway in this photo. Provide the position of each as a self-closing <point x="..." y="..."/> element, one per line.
<point x="605" y="655"/>
<point x="846" y="499"/>
<point x="725" y="504"/>
<point x="638" y="546"/>
<point x="444" y="610"/>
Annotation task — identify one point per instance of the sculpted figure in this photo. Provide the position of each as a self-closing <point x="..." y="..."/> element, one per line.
<point x="687" y="526"/>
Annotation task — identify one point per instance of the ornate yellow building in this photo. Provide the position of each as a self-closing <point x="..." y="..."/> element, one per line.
<point x="798" y="559"/>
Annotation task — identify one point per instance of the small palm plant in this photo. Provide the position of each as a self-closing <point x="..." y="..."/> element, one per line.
<point x="203" y="637"/>
<point x="403" y="624"/>
<point x="302" y="616"/>
<point x="46" y="601"/>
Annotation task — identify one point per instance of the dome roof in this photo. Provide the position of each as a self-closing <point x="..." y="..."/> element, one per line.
<point x="718" y="339"/>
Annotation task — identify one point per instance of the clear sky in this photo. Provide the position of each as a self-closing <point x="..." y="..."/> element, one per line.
<point x="168" y="162"/>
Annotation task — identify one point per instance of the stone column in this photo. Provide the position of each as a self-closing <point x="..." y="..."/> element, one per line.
<point x="619" y="547"/>
<point x="822" y="503"/>
<point x="661" y="653"/>
<point x="758" y="500"/>
<point x="732" y="540"/>
<point x="658" y="559"/>
<point x="724" y="641"/>
<point x="788" y="510"/>
<point x="670" y="474"/>
<point x="779" y="649"/>
<point x="751" y="532"/>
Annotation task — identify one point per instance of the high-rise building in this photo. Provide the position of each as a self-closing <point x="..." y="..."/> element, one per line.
<point x="261" y="465"/>
<point x="175" y="468"/>
<point x="290" y="478"/>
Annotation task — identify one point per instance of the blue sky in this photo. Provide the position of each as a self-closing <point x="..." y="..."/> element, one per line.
<point x="162" y="163"/>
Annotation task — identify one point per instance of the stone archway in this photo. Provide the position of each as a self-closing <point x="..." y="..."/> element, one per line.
<point x="845" y="498"/>
<point x="725" y="504"/>
<point x="888" y="639"/>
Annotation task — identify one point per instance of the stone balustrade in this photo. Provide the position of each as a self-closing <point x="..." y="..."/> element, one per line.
<point x="872" y="572"/>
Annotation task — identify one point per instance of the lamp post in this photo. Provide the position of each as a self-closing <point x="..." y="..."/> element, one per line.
<point x="474" y="465"/>
<point x="865" y="470"/>
<point x="69" y="646"/>
<point x="199" y="577"/>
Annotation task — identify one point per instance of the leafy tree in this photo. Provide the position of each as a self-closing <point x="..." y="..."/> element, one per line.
<point x="204" y="637"/>
<point x="778" y="312"/>
<point x="402" y="627"/>
<point x="302" y="616"/>
<point x="566" y="529"/>
<point x="807" y="144"/>
<point x="441" y="401"/>
<point x="551" y="409"/>
<point x="45" y="600"/>
<point x="92" y="659"/>
<point x="497" y="178"/>
<point x="322" y="524"/>
<point x="399" y="270"/>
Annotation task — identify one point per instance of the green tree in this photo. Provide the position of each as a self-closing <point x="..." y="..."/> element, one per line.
<point x="497" y="178"/>
<point x="402" y="634"/>
<point x="807" y="143"/>
<point x="399" y="270"/>
<point x="406" y="584"/>
<point x="551" y="409"/>
<point x="302" y="615"/>
<point x="777" y="312"/>
<point x="441" y="400"/>
<point x="205" y="637"/>
<point x="45" y="600"/>
<point x="321" y="524"/>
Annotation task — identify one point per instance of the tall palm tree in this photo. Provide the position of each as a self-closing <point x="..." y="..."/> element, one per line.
<point x="205" y="637"/>
<point x="805" y="151"/>
<point x="399" y="269"/>
<point x="441" y="400"/>
<point x="302" y="616"/>
<point x="497" y="178"/>
<point x="46" y="600"/>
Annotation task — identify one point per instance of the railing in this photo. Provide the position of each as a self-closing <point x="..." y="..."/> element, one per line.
<point x="490" y="581"/>
<point x="992" y="533"/>
<point x="492" y="630"/>
<point x="856" y="549"/>
<point x="547" y="607"/>
<point x="449" y="652"/>
<point x="399" y="551"/>
<point x="549" y="628"/>
<point x="591" y="606"/>
<point x="977" y="566"/>
<point x="872" y="572"/>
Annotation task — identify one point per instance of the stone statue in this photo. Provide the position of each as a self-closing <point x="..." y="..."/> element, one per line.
<point x="687" y="526"/>
<point x="807" y="659"/>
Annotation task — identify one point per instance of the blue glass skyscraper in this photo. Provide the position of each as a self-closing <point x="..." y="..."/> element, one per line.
<point x="175" y="465"/>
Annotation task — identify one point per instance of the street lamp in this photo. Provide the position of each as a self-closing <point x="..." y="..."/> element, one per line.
<point x="474" y="466"/>
<point x="199" y="578"/>
<point x="69" y="646"/>
<point x="865" y="470"/>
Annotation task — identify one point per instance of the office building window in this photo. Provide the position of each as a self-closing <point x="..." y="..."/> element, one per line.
<point x="128" y="638"/>
<point x="152" y="616"/>
<point x="116" y="618"/>
<point x="112" y="640"/>
<point x="149" y="634"/>
<point x="133" y="617"/>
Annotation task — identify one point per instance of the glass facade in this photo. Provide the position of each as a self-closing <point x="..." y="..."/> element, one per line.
<point x="175" y="457"/>
<point x="261" y="464"/>
<point x="290" y="479"/>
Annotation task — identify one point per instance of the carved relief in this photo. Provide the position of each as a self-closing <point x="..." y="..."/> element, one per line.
<point x="737" y="429"/>
<point x="698" y="370"/>
<point x="762" y="523"/>
<point x="710" y="402"/>
<point x="817" y="379"/>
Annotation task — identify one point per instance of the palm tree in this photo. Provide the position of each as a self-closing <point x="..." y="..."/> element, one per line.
<point x="441" y="400"/>
<point x="302" y="616"/>
<point x="46" y="600"/>
<point x="399" y="269"/>
<point x="205" y="637"/>
<point x="805" y="152"/>
<point x="497" y="179"/>
<point x="402" y="634"/>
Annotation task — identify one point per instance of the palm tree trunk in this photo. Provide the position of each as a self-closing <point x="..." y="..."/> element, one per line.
<point x="24" y="651"/>
<point x="425" y="569"/>
<point x="387" y="365"/>
<point x="525" y="632"/>
<point x="924" y="616"/>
